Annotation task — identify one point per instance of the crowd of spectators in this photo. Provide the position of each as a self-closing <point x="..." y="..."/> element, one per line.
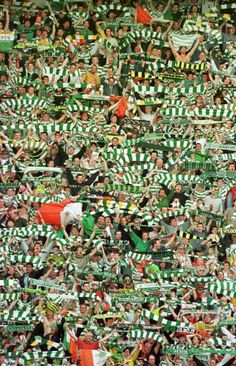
<point x="121" y="114"/>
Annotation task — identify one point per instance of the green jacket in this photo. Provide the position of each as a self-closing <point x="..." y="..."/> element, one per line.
<point x="141" y="246"/>
<point x="165" y="202"/>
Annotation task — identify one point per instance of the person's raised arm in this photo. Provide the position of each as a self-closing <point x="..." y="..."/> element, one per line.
<point x="167" y="30"/>
<point x="175" y="53"/>
<point x="6" y="28"/>
<point x="107" y="336"/>
<point x="191" y="52"/>
<point x="167" y="7"/>
<point x="52" y="35"/>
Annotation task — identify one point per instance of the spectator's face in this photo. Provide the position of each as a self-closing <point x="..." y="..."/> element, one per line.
<point x="72" y="68"/>
<point x="175" y="8"/>
<point x="220" y="276"/>
<point x="11" y="270"/>
<point x="162" y="193"/>
<point x="232" y="30"/>
<point x="198" y="148"/>
<point x="88" y="337"/>
<point x="74" y="231"/>
<point x="156" y="53"/>
<point x="107" y="221"/>
<point x="54" y="151"/>
<point x="111" y="82"/>
<point x="95" y="60"/>
<point x="148" y="347"/>
<point x="145" y="236"/>
<point x="115" y="142"/>
<point x="53" y="274"/>
<point x="231" y="167"/>
<point x="148" y="109"/>
<point x="10" y="192"/>
<point x="86" y="24"/>
<point x="31" y="91"/>
<point x="183" y="50"/>
<point x="79" y="252"/>
<point x="43" y="136"/>
<point x="84" y="116"/>
<point x="101" y="221"/>
<point x="51" y="164"/>
<point x="118" y="235"/>
<point x="17" y="136"/>
<point x="3" y="155"/>
<point x="37" y="249"/>
<point x="60" y="32"/>
<point x="160" y="163"/>
<point x="207" y="319"/>
<point x="202" y="56"/>
<point x="86" y="287"/>
<point x="157" y="244"/>
<point x="71" y="150"/>
<point x="176" y="26"/>
<point x="200" y="228"/>
<point x="153" y="156"/>
<point x="212" y="363"/>
<point x="81" y="65"/>
<point x="29" y="268"/>
<point x="79" y="179"/>
<point x="126" y="353"/>
<point x="66" y="25"/>
<point x="90" y="277"/>
<point x="178" y="188"/>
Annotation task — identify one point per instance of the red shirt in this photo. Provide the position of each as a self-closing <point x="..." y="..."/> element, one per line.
<point x="84" y="345"/>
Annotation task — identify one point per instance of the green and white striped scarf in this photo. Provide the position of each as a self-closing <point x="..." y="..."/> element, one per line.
<point x="104" y="9"/>
<point x="144" y="334"/>
<point x="223" y="287"/>
<point x="15" y="104"/>
<point x="45" y="199"/>
<point x="188" y="165"/>
<point x="138" y="256"/>
<point x="185" y="40"/>
<point x="40" y="230"/>
<point x="186" y="66"/>
<point x="123" y="188"/>
<point x="162" y="178"/>
<point x="34" y="356"/>
<point x="133" y="157"/>
<point x="215" y="146"/>
<point x="223" y="157"/>
<point x="55" y="71"/>
<point x="9" y="283"/>
<point x="227" y="6"/>
<point x="168" y="324"/>
<point x="24" y="259"/>
<point x="9" y="296"/>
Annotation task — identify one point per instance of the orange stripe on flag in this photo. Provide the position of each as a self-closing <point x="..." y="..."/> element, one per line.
<point x="142" y="16"/>
<point x="86" y="357"/>
<point x="73" y="350"/>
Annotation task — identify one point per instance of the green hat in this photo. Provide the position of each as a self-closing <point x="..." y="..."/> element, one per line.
<point x="153" y="268"/>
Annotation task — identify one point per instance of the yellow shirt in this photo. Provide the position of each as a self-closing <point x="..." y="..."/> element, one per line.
<point x="91" y="78"/>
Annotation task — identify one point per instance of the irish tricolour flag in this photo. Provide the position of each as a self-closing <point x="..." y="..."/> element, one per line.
<point x="93" y="358"/>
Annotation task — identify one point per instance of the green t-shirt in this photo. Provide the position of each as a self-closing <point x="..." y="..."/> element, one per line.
<point x="28" y="30"/>
<point x="141" y="246"/>
<point x="6" y="41"/>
